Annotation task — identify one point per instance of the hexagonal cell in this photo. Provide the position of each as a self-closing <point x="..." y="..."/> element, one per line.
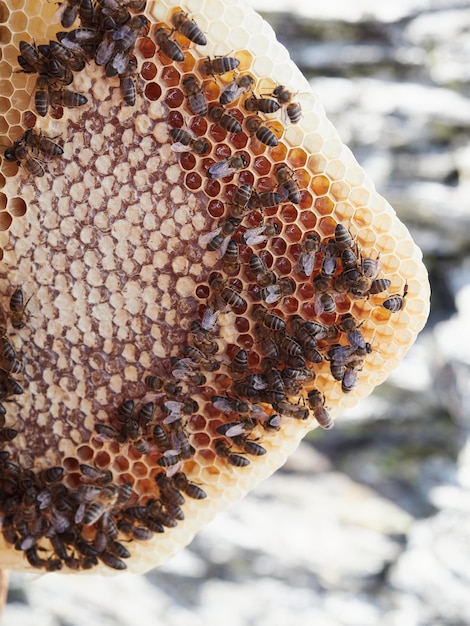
<point x="18" y="22"/>
<point x="359" y="196"/>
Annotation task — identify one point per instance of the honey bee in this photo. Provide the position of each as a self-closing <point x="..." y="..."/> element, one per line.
<point x="169" y="458"/>
<point x="181" y="440"/>
<point x="259" y="234"/>
<point x="127" y="81"/>
<point x="329" y="262"/>
<point x="211" y="315"/>
<point x="195" y="95"/>
<point x="378" y="285"/>
<point x="188" y="27"/>
<point x="145" y="415"/>
<point x="316" y="402"/>
<point x="223" y="449"/>
<point x="254" y="126"/>
<point x="225" y="120"/>
<point x="203" y="340"/>
<point x="286" y="180"/>
<point x="343" y="237"/>
<point x="240" y="200"/>
<point x="52" y="474"/>
<point x="186" y="141"/>
<point x="231" y="259"/>
<point x="112" y="560"/>
<point x="261" y="105"/>
<point x="239" y="363"/>
<point x="268" y="319"/>
<point x="169" y="47"/>
<point x="18" y="308"/>
<point x="341" y="355"/>
<point x="168" y="492"/>
<point x="273" y="293"/>
<point x="264" y="277"/>
<point x="309" y="249"/>
<point x="7" y="434"/>
<point x="354" y="336"/>
<point x="67" y="13"/>
<point x="105" y="431"/>
<point x="20" y="153"/>
<point x="96" y="475"/>
<point x="30" y="59"/>
<point x="287" y="409"/>
<point x="122" y="41"/>
<point x="288" y="344"/>
<point x="175" y="410"/>
<point x="190" y="489"/>
<point x="219" y="65"/>
<point x="249" y="446"/>
<point x="42" y="95"/>
<point x="42" y="143"/>
<point x="239" y="86"/>
<point x="227" y="166"/>
<point x="7" y="352"/>
<point x="349" y="380"/>
<point x="184" y="370"/>
<point x="66" y="98"/>
<point x="229" y="405"/>
<point x="197" y="357"/>
<point x="324" y="303"/>
<point x="273" y="422"/>
<point x="161" y="438"/>
<point x="396" y="302"/>
<point x="219" y="238"/>
<point x="284" y="97"/>
<point x="225" y="293"/>
<point x="154" y="383"/>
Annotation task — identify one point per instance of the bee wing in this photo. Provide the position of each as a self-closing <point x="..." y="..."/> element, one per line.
<point x="231" y="93"/>
<point x="209" y="319"/>
<point x="121" y="33"/>
<point x="57" y="15"/>
<point x="306" y="263"/>
<point x="174" y="469"/>
<point x="254" y="235"/>
<point x="318" y="304"/>
<point x="274" y="294"/>
<point x="180" y="147"/>
<point x="223" y="405"/>
<point x="258" y="412"/>
<point x="223" y="248"/>
<point x="233" y="431"/>
<point x="104" y="52"/>
<point x="207" y="237"/>
<point x="284" y="116"/>
<point x="220" y="169"/>
<point x="120" y="62"/>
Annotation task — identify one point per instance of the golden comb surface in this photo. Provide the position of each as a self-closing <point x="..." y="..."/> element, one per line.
<point x="117" y="248"/>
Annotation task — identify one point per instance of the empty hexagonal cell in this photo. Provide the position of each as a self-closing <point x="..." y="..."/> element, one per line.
<point x="359" y="196"/>
<point x="317" y="163"/>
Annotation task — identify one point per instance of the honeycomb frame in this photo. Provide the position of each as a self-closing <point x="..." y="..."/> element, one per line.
<point x="335" y="190"/>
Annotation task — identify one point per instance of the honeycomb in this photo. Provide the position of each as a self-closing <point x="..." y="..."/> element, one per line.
<point x="195" y="272"/>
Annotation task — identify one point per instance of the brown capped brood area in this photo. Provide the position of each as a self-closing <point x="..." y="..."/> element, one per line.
<point x="195" y="273"/>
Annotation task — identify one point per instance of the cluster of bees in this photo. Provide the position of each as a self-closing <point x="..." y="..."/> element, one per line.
<point x="56" y="526"/>
<point x="272" y="380"/>
<point x="11" y="363"/>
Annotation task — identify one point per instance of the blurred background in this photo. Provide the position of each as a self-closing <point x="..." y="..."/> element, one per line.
<point x="369" y="523"/>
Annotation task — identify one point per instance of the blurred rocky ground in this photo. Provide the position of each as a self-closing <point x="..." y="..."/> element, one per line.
<point x="368" y="524"/>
